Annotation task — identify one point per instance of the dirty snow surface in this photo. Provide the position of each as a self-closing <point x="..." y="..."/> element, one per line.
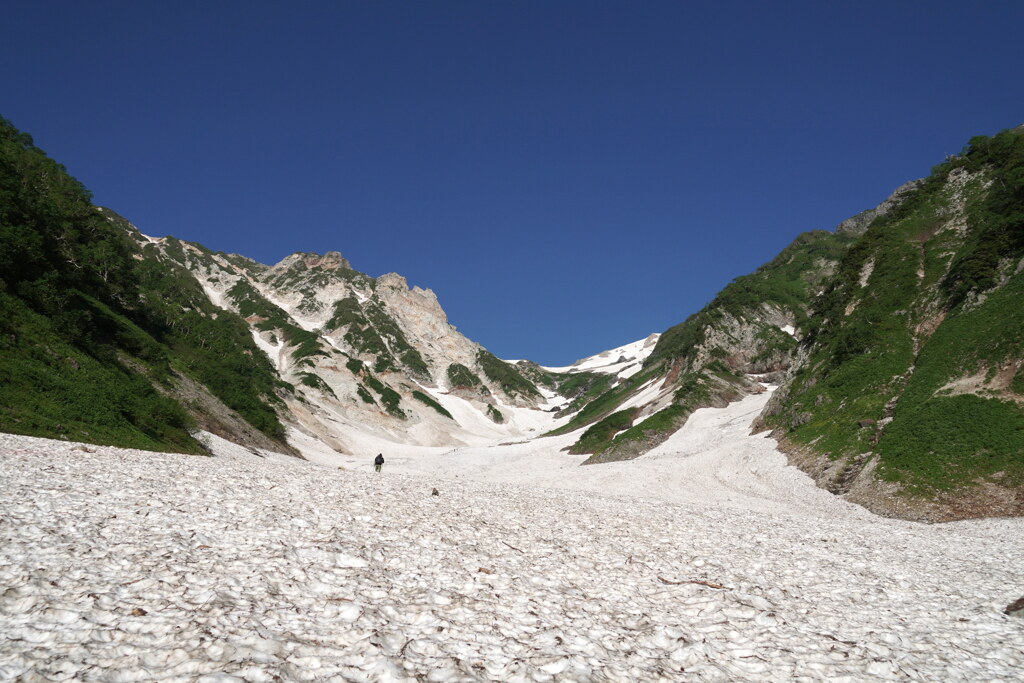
<point x="123" y="565"/>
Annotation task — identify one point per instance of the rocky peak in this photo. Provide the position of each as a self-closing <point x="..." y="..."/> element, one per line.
<point x="392" y="281"/>
<point x="858" y="224"/>
<point x="332" y="260"/>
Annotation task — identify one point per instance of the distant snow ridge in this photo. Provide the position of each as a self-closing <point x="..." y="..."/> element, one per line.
<point x="122" y="565"/>
<point x="624" y="361"/>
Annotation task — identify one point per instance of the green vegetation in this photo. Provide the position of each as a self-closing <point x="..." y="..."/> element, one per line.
<point x="665" y="420"/>
<point x="1017" y="385"/>
<point x="316" y="382"/>
<point x="920" y="448"/>
<point x="361" y="335"/>
<point x="365" y="395"/>
<point x="424" y="398"/>
<point x="948" y="442"/>
<point x="212" y="345"/>
<point x="244" y="263"/>
<point x="582" y="387"/>
<point x="773" y="344"/>
<point x="495" y="414"/>
<point x="252" y="305"/>
<point x="53" y="387"/>
<point x="997" y="219"/>
<point x="971" y="342"/>
<point x="538" y="375"/>
<point x="605" y="403"/>
<point x="615" y="436"/>
<point x="789" y="281"/>
<point x="506" y="376"/>
<point x="371" y="330"/>
<point x="461" y="376"/>
<point x="863" y="350"/>
<point x="388" y="397"/>
<point x="600" y="434"/>
<point x="67" y="282"/>
<point x="300" y="277"/>
<point x="389" y="330"/>
<point x="75" y="299"/>
<point x="914" y="309"/>
<point x="692" y="391"/>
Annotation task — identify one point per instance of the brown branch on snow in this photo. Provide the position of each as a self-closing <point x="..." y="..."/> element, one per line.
<point x="697" y="581"/>
<point x="514" y="548"/>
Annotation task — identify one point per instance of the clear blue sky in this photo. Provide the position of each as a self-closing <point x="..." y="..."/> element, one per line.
<point x="566" y="176"/>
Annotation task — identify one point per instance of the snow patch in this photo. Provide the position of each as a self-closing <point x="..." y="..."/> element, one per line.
<point x="275" y="352"/>
<point x="158" y="562"/>
<point x="624" y="361"/>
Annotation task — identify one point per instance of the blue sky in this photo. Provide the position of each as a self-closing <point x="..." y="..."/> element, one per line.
<point x="566" y="176"/>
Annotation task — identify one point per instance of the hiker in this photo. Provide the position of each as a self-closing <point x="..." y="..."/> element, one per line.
<point x="378" y="462"/>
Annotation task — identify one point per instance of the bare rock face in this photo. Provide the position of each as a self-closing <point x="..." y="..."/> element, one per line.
<point x="425" y="324"/>
<point x="332" y="260"/>
<point x="743" y="340"/>
<point x="856" y="225"/>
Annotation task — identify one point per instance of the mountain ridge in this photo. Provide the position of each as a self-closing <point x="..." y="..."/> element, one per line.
<point x="883" y="334"/>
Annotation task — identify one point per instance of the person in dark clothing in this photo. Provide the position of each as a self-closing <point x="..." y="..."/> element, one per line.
<point x="378" y="462"/>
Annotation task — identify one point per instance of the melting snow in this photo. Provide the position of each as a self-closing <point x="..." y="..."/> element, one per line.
<point x="708" y="559"/>
<point x="273" y="351"/>
<point x="624" y="361"/>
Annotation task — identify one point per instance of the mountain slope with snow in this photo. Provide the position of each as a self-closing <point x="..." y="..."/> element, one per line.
<point x="364" y="358"/>
<point x="896" y="339"/>
<point x="622" y="362"/>
<point x="162" y="567"/>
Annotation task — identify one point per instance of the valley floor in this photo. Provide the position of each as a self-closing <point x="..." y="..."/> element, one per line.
<point x="708" y="559"/>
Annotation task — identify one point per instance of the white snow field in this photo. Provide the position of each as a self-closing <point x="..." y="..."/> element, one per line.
<point x="708" y="559"/>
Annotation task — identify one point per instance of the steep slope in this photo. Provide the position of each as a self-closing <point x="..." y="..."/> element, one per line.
<point x="910" y="381"/>
<point x="622" y="362"/>
<point x="359" y="356"/>
<point x="897" y="338"/>
<point x="113" y="337"/>
<point x="751" y="328"/>
<point x="77" y="359"/>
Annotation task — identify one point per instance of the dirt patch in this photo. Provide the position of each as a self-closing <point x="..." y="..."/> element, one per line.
<point x="215" y="417"/>
<point x="986" y="383"/>
<point x="857" y="482"/>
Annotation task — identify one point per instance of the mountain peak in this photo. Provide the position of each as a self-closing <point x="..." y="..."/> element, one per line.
<point x="331" y="260"/>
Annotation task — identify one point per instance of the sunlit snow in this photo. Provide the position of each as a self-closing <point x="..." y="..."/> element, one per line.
<point x="624" y="361"/>
<point x="709" y="558"/>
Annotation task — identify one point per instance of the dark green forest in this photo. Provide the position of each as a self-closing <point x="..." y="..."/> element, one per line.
<point x="90" y="341"/>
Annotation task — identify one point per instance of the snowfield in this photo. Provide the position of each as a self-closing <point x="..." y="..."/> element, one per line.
<point x="722" y="563"/>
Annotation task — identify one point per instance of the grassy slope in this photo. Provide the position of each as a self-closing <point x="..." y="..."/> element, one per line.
<point x="506" y="376"/>
<point x="933" y="313"/>
<point x="88" y="332"/>
<point x="788" y="282"/>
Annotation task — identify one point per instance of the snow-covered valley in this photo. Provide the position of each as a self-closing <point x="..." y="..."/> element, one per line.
<point x="707" y="559"/>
